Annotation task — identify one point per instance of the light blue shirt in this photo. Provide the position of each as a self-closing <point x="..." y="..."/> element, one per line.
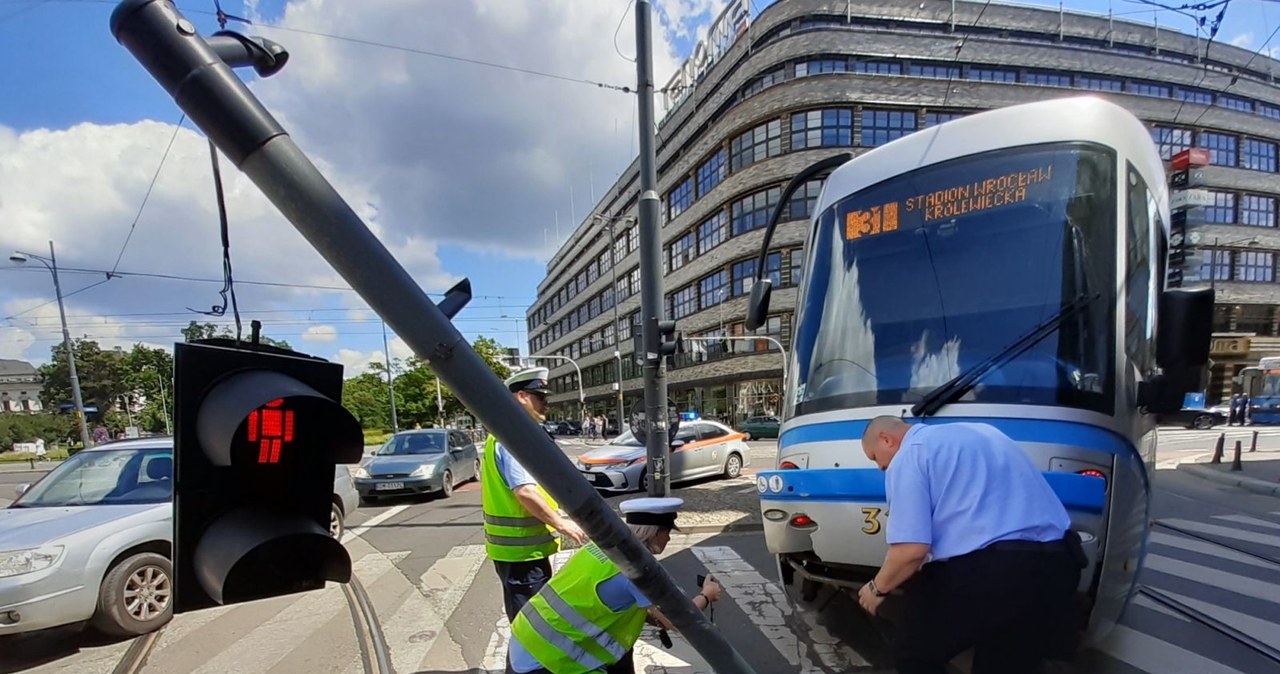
<point x="960" y="487"/>
<point x="510" y="469"/>
<point x="618" y="593"/>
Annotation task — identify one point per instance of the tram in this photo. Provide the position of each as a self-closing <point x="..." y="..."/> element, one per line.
<point x="1008" y="267"/>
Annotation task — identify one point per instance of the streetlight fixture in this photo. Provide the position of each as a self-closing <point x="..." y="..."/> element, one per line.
<point x="51" y="263"/>
<point x="1213" y="257"/>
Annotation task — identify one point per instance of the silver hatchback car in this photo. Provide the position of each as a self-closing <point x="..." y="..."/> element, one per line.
<point x="92" y="541"/>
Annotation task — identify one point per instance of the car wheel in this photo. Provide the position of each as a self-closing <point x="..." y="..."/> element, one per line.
<point x="733" y="466"/>
<point x="446" y="484"/>
<point x="644" y="480"/>
<point x="136" y="596"/>
<point x="1202" y="422"/>
<point x="476" y="477"/>
<point x="335" y="521"/>
<point x="747" y="436"/>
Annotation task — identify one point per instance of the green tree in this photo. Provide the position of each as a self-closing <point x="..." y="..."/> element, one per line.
<point x="197" y="331"/>
<point x="101" y="373"/>
<point x="149" y="376"/>
<point x="54" y="428"/>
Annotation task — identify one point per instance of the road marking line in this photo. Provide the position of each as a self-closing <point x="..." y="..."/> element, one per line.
<point x="1245" y="519"/>
<point x="1263" y="630"/>
<point x="1207" y="548"/>
<point x="1150" y="654"/>
<point x="1214" y="578"/>
<point x="1269" y="540"/>
<point x="373" y="522"/>
<point x="419" y="621"/>
<point x="1149" y="603"/>
<point x="767" y="607"/>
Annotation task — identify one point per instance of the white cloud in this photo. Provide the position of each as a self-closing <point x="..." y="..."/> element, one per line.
<point x="1243" y="40"/>
<point x="320" y="333"/>
<point x="357" y="362"/>
<point x="14" y="343"/>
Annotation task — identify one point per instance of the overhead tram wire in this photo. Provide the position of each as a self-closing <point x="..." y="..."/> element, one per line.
<point x="1204" y="68"/>
<point x="1236" y="77"/>
<point x="73" y="293"/>
<point x="951" y="70"/>
<point x="147" y="195"/>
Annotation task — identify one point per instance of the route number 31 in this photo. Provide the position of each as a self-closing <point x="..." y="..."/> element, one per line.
<point x="871" y="519"/>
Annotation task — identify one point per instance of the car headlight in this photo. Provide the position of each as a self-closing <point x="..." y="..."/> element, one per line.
<point x="19" y="562"/>
<point x="424" y="470"/>
<point x="362" y="472"/>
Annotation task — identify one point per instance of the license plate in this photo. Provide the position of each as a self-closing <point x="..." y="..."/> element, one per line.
<point x="387" y="486"/>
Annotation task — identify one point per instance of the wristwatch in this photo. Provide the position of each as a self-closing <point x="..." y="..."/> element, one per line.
<point x="875" y="589"/>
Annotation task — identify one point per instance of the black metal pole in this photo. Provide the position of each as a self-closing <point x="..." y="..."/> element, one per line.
<point x="223" y="107"/>
<point x="651" y="309"/>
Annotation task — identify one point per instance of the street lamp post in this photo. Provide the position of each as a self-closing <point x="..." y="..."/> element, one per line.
<point x="51" y="263"/>
<point x="391" y="387"/>
<point x="582" y="397"/>
<point x="164" y="408"/>
<point x="617" y="348"/>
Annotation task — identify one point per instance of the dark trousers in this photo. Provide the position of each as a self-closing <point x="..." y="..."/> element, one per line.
<point x="1011" y="602"/>
<point x="520" y="581"/>
<point x="624" y="666"/>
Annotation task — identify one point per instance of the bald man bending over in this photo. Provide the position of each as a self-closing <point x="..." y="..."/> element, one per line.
<point x="977" y="546"/>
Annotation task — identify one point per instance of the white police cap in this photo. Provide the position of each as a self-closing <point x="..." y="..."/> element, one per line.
<point x="532" y="379"/>
<point x="657" y="511"/>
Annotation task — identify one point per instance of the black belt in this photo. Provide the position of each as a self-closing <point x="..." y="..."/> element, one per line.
<point x="1028" y="546"/>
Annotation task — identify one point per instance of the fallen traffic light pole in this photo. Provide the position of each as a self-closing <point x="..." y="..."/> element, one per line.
<point x="193" y="71"/>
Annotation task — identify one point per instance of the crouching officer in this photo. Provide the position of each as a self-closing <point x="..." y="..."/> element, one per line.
<point x="590" y="615"/>
<point x="519" y="517"/>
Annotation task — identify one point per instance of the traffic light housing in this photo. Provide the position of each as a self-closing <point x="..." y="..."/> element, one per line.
<point x="670" y="342"/>
<point x="258" y="432"/>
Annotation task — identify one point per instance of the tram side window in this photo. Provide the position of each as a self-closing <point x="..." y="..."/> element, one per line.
<point x="1139" y="338"/>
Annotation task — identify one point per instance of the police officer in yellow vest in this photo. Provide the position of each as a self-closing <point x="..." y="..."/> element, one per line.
<point x="519" y="517"/>
<point x="590" y="615"/>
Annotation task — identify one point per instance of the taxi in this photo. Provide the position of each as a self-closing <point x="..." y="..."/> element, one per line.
<point x="701" y="448"/>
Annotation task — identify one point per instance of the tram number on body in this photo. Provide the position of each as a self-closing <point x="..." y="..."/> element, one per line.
<point x="871" y="519"/>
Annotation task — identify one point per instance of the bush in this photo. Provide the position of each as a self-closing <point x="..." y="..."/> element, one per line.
<point x="54" y="428"/>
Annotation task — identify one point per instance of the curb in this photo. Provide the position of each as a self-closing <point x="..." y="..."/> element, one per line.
<point x="1251" y="484"/>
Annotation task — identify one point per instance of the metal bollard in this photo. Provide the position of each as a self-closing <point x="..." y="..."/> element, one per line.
<point x="1254" y="447"/>
<point x="1217" y="451"/>
<point x="1235" y="462"/>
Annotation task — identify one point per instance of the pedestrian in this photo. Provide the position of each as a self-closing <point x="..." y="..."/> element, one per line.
<point x="101" y="434"/>
<point x="40" y="450"/>
<point x="588" y="618"/>
<point x="980" y="550"/>
<point x="519" y="516"/>
<point x="1244" y="409"/>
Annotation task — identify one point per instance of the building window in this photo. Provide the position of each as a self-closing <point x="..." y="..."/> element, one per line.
<point x="593" y="308"/>
<point x="752" y="212"/>
<point x="633" y="238"/>
<point x="929" y="70"/>
<point x="1223" y="210"/>
<point x="714" y="288"/>
<point x="1268" y="111"/>
<point x="992" y="75"/>
<point x="764" y="82"/>
<point x="1047" y="79"/>
<point x="819" y="66"/>
<point x="882" y="126"/>
<point x="762" y="142"/>
<point x="1194" y="95"/>
<point x="1233" y="103"/>
<point x="712" y="232"/>
<point x="1100" y="83"/>
<point x="803" y="200"/>
<point x="682" y="251"/>
<point x="624" y="329"/>
<point x="1255" y="266"/>
<point x="1216" y="265"/>
<point x="1222" y="148"/>
<point x="680" y="198"/>
<point x="684" y="302"/>
<point x="712" y="172"/>
<point x="936" y="118"/>
<point x="1257" y="211"/>
<point x="744" y="273"/>
<point x="1171" y="141"/>
<point x="821" y="128"/>
<point x="1259" y="155"/>
<point x="1149" y="89"/>
<point x="797" y="265"/>
<point x="878" y="67"/>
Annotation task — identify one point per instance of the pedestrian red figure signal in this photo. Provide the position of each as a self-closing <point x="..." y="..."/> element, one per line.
<point x="271" y="427"/>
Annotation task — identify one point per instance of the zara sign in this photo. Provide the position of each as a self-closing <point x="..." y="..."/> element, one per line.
<point x="724" y="31"/>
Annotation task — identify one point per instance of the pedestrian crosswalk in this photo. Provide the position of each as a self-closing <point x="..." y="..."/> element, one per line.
<point x="450" y="619"/>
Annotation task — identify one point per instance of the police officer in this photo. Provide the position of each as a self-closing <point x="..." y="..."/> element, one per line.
<point x="590" y="615"/>
<point x="519" y="517"/>
<point x="979" y="545"/>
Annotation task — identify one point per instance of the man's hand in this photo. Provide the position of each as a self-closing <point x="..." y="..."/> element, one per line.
<point x="572" y="531"/>
<point x="868" y="600"/>
<point x="711" y="590"/>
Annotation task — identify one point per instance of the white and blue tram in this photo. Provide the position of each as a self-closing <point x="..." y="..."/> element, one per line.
<point x="1008" y="267"/>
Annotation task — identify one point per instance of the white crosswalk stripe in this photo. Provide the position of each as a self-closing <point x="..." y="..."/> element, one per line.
<point x="1246" y="519"/>
<point x="1150" y="654"/>
<point x="1218" y="530"/>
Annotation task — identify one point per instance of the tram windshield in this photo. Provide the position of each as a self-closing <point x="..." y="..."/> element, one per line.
<point x="916" y="279"/>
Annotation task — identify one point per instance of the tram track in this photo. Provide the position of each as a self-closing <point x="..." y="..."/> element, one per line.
<point x="135" y="657"/>
<point x="1248" y="641"/>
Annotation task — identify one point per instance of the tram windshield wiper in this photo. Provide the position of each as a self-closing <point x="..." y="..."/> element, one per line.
<point x="954" y="389"/>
